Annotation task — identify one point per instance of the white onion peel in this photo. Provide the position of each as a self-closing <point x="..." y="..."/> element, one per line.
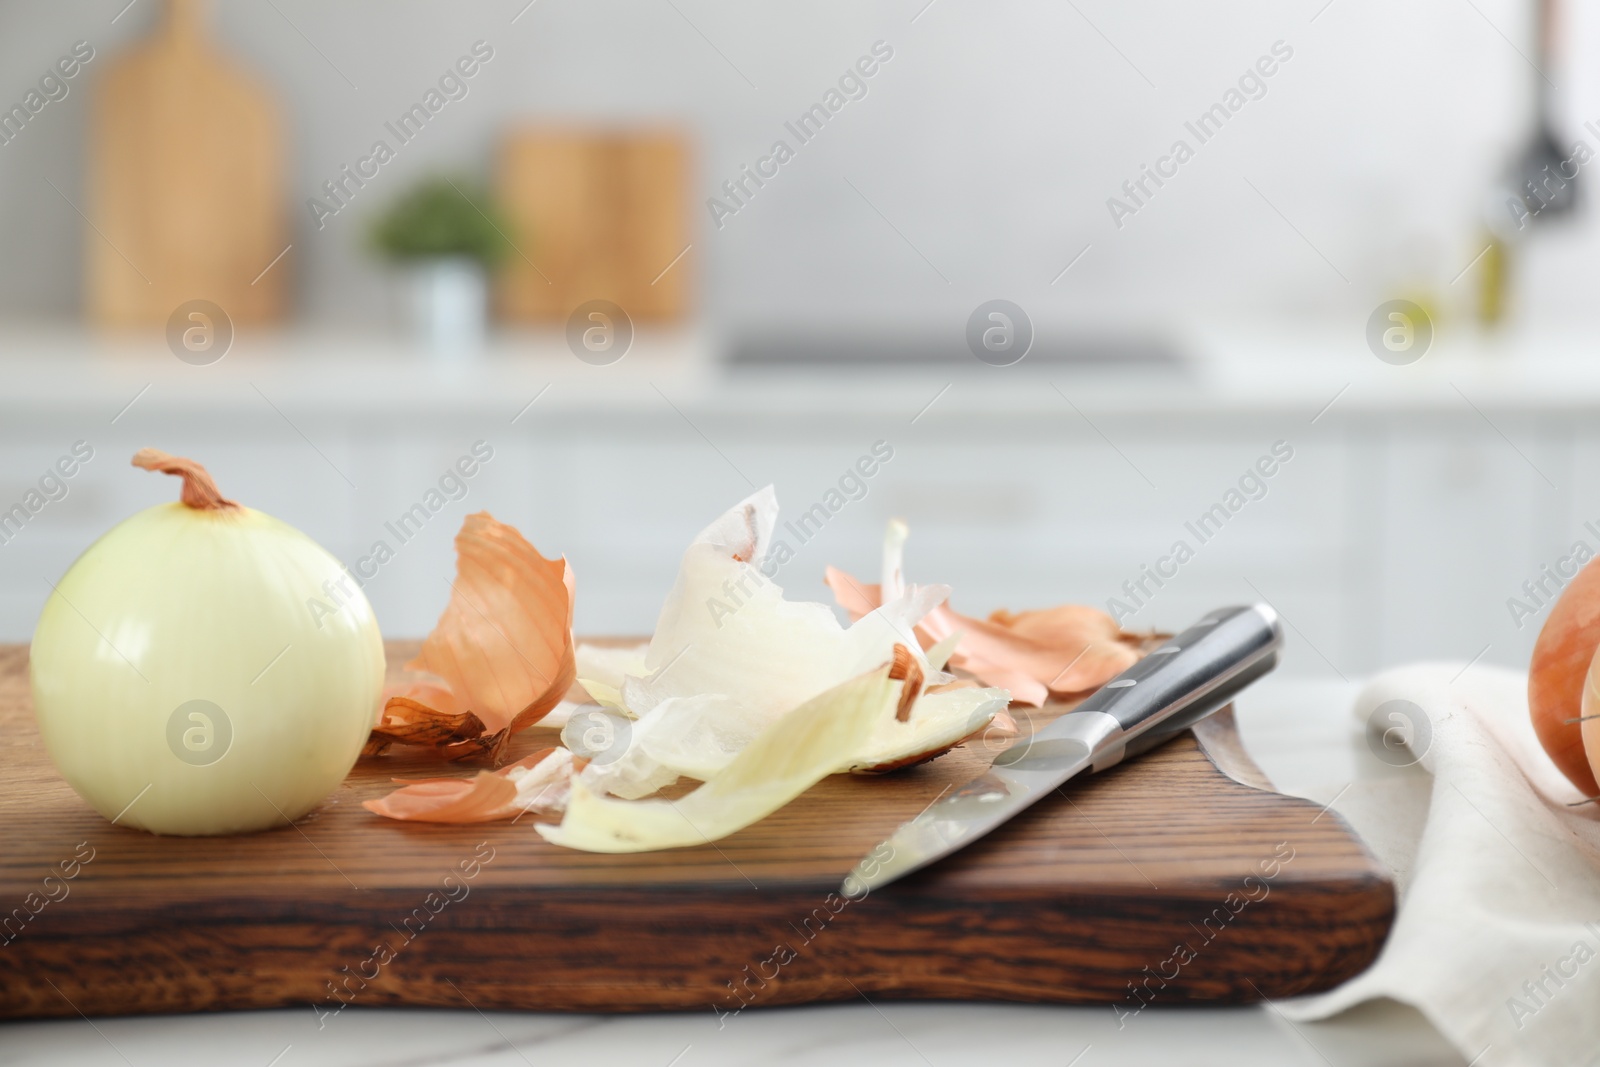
<point x="795" y="753"/>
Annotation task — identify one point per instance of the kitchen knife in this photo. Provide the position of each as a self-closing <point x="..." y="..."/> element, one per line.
<point x="1190" y="676"/>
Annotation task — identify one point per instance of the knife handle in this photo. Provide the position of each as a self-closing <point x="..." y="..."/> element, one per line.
<point x="1189" y="676"/>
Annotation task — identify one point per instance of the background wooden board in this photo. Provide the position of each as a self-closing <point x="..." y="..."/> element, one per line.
<point x="186" y="183"/>
<point x="1071" y="902"/>
<point x="596" y="216"/>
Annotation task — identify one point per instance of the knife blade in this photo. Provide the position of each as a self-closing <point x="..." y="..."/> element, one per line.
<point x="1176" y="685"/>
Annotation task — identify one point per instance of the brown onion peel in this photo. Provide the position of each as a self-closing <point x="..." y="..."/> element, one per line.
<point x="199" y="488"/>
<point x="501" y="656"/>
<point x="905" y="668"/>
<point x="1061" y="653"/>
<point x="487" y="797"/>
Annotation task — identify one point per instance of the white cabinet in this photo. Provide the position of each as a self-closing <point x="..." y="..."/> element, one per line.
<point x="1466" y="517"/>
<point x="1387" y="536"/>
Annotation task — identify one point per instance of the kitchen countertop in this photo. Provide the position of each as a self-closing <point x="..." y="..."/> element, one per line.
<point x="49" y="372"/>
<point x="1298" y="730"/>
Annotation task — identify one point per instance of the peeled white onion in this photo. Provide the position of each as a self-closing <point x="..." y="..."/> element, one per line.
<point x="204" y="668"/>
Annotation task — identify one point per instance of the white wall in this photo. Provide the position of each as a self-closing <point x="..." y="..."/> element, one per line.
<point x="991" y="141"/>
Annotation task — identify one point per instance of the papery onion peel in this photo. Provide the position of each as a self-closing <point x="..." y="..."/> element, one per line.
<point x="731" y="655"/>
<point x="536" y="783"/>
<point x="785" y="760"/>
<point x="502" y="651"/>
<point x="1062" y="651"/>
<point x="941" y="721"/>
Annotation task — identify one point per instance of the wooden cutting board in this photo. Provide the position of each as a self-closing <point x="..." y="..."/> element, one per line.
<point x="1163" y="866"/>
<point x="595" y="216"/>
<point x="186" y="183"/>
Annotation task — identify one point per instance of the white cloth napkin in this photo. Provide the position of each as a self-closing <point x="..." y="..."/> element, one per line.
<point x="1497" y="940"/>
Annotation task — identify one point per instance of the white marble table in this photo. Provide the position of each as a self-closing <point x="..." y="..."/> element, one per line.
<point x="888" y="1035"/>
<point x="1298" y="730"/>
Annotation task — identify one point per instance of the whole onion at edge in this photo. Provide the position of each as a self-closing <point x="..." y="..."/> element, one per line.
<point x="185" y="680"/>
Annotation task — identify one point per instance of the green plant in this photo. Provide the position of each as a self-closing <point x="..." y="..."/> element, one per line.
<point x="442" y="217"/>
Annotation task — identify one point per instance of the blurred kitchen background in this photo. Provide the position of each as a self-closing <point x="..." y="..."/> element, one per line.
<point x="939" y="155"/>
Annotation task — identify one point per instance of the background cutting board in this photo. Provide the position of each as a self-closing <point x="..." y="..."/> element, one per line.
<point x="595" y="216"/>
<point x="1070" y="902"/>
<point x="186" y="184"/>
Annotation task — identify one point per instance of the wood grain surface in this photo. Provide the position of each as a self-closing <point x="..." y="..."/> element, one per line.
<point x="1161" y="881"/>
